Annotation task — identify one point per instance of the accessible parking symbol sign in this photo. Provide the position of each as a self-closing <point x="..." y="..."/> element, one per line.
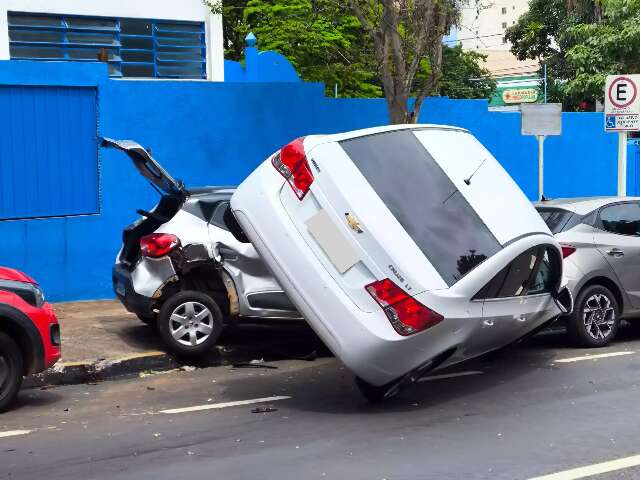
<point x="622" y="103"/>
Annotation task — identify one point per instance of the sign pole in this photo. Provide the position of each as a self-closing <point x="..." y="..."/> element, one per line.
<point x="622" y="164"/>
<point x="541" y="139"/>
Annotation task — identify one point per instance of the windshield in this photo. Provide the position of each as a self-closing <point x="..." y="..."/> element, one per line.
<point x="424" y="201"/>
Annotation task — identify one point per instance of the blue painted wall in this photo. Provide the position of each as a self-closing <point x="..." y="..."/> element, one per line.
<point x="216" y="133"/>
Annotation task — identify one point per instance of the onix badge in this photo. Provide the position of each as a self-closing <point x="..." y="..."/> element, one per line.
<point x="353" y="223"/>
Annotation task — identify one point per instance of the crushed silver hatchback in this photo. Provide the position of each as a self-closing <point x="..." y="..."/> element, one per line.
<point x="186" y="266"/>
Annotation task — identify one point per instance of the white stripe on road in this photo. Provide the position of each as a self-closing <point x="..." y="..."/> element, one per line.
<point x="213" y="406"/>
<point x="591" y="470"/>
<point x="450" y="375"/>
<point x="592" y="357"/>
<point x="14" y="433"/>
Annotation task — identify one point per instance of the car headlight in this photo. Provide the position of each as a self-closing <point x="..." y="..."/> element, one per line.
<point x="30" y="293"/>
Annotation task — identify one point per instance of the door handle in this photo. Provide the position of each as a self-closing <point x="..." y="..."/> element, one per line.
<point x="615" y="252"/>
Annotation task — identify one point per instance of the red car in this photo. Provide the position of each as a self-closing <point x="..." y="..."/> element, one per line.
<point x="29" y="332"/>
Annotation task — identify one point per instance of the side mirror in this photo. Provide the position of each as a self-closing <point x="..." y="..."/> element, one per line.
<point x="564" y="300"/>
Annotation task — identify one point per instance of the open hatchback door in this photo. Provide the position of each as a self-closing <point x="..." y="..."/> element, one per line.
<point x="148" y="166"/>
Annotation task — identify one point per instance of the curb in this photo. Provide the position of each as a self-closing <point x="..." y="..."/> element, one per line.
<point x="73" y="373"/>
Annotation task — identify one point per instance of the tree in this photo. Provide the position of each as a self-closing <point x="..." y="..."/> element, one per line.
<point x="540" y="33"/>
<point x="234" y="28"/>
<point x="407" y="38"/>
<point x="319" y="37"/>
<point x="326" y="42"/>
<point x="609" y="46"/>
<point x="463" y="76"/>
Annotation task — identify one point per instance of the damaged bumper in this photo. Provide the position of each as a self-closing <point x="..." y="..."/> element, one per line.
<point x="123" y="288"/>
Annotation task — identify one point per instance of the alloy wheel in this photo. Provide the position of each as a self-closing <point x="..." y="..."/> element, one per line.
<point x="599" y="316"/>
<point x="191" y="323"/>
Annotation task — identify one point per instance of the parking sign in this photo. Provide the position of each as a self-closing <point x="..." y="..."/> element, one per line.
<point x="622" y="103"/>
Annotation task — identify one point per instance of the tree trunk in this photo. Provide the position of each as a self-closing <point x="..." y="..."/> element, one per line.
<point x="398" y="111"/>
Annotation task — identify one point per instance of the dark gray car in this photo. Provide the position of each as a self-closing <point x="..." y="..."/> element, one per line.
<point x="600" y="239"/>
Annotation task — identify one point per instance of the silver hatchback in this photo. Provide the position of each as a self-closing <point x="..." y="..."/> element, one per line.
<point x="600" y="239"/>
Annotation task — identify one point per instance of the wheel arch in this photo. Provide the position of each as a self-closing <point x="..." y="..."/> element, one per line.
<point x="20" y="328"/>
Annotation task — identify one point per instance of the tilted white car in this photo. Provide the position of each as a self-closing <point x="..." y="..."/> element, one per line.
<point x="404" y="247"/>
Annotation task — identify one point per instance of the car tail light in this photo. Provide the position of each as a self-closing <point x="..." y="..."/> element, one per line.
<point x="292" y="164"/>
<point x="158" y="244"/>
<point x="567" y="250"/>
<point x="406" y="314"/>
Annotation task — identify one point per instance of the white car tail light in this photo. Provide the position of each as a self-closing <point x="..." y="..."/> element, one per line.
<point x="292" y="164"/>
<point x="406" y="314"/>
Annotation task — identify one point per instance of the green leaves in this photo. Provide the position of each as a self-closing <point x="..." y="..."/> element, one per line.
<point x="611" y="46"/>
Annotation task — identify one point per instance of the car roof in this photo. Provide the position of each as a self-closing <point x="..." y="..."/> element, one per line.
<point x="313" y="140"/>
<point x="583" y="205"/>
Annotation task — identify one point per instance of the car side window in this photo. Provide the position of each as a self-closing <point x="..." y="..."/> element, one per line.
<point x="533" y="272"/>
<point x="621" y="219"/>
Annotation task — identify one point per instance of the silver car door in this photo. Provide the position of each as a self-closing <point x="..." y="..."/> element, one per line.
<point x="259" y="294"/>
<point x="518" y="299"/>
<point x="618" y="239"/>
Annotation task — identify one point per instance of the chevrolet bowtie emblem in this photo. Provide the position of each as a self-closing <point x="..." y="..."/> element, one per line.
<point x="353" y="223"/>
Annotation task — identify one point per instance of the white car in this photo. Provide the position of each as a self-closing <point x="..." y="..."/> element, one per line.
<point x="404" y="247"/>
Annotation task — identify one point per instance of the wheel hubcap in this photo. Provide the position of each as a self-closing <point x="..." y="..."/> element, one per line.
<point x="598" y="315"/>
<point x="191" y="323"/>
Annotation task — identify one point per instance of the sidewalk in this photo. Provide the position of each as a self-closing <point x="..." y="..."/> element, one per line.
<point x="101" y="340"/>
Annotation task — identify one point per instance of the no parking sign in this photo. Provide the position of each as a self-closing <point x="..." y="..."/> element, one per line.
<point x="622" y="103"/>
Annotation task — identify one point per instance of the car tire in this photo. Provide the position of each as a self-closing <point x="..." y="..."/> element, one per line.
<point x="376" y="394"/>
<point x="147" y="319"/>
<point x="190" y="323"/>
<point x="11" y="370"/>
<point x="595" y="319"/>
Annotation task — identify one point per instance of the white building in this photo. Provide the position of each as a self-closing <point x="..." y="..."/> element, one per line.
<point x="138" y="38"/>
<point x="482" y="28"/>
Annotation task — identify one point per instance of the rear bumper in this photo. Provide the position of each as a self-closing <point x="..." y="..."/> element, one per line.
<point x="365" y="342"/>
<point x="123" y="288"/>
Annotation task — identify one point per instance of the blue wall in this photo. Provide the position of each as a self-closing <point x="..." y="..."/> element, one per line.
<point x="216" y="133"/>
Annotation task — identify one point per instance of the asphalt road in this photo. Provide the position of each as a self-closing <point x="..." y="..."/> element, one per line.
<point x="521" y="415"/>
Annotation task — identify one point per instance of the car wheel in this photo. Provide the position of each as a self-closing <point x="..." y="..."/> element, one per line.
<point x="190" y="323"/>
<point x="596" y="317"/>
<point x="11" y="368"/>
<point x="375" y="394"/>
<point x="147" y="319"/>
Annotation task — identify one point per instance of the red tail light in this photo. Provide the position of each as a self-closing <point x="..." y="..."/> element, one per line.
<point x="158" y="244"/>
<point x="406" y="314"/>
<point x="567" y="250"/>
<point x="292" y="164"/>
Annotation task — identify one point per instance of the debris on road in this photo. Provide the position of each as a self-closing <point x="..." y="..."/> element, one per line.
<point x="256" y="363"/>
<point x="266" y="409"/>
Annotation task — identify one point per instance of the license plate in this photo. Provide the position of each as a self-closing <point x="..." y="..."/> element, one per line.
<point x="332" y="241"/>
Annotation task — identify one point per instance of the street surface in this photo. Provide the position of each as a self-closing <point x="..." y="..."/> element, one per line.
<point x="539" y="409"/>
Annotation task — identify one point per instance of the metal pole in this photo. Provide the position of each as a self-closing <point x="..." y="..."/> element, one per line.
<point x="541" y="167"/>
<point x="335" y="91"/>
<point x="545" y="82"/>
<point x="622" y="164"/>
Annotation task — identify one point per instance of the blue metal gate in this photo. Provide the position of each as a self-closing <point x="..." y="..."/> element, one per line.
<point x="48" y="151"/>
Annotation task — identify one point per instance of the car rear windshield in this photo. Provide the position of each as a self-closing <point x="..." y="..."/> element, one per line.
<point x="424" y="201"/>
<point x="556" y="219"/>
